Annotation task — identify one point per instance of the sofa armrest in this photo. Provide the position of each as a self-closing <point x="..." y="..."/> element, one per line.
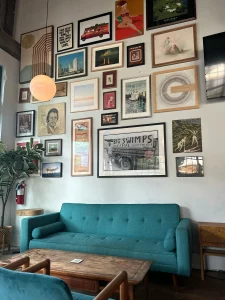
<point x="28" y="224"/>
<point x="184" y="247"/>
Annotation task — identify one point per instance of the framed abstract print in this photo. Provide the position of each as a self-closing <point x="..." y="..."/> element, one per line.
<point x="176" y="89"/>
<point x="109" y="79"/>
<point x="136" y="55"/>
<point x="190" y="166"/>
<point x="52" y="170"/>
<point x="109" y="100"/>
<point x="82" y="148"/>
<point x="161" y="13"/>
<point x="174" y="46"/>
<point x="97" y="29"/>
<point x="109" y="119"/>
<point x="61" y="89"/>
<point x="65" y="37"/>
<point x="132" y="151"/>
<point x="24" y="95"/>
<point x="25" y="123"/>
<point x="53" y="147"/>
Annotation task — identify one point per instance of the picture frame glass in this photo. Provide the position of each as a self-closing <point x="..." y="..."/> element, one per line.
<point x="52" y="170"/>
<point x="25" y="123"/>
<point x="190" y="166"/>
<point x="65" y="37"/>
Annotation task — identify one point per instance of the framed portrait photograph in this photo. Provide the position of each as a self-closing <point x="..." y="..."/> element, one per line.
<point x="52" y="119"/>
<point x="161" y="13"/>
<point x="132" y="151"/>
<point x="71" y="64"/>
<point x="61" y="89"/>
<point x="65" y="37"/>
<point x="84" y="95"/>
<point x="24" y="95"/>
<point x="109" y="119"/>
<point x="25" y="123"/>
<point x="135" y="100"/>
<point x="176" y="89"/>
<point x="109" y="100"/>
<point x="52" y="170"/>
<point x="174" y="46"/>
<point x="97" y="29"/>
<point x="136" y="55"/>
<point x="82" y="147"/>
<point x="190" y="166"/>
<point x="107" y="57"/>
<point x="53" y="147"/>
<point x="109" y="79"/>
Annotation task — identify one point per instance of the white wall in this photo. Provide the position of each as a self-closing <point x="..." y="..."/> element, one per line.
<point x="201" y="199"/>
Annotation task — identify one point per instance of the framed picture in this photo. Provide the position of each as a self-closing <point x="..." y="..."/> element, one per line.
<point x="52" y="170"/>
<point x="187" y="136"/>
<point x="51" y="119"/>
<point x="97" y="29"/>
<point x="109" y="79"/>
<point x="53" y="147"/>
<point x="33" y="57"/>
<point x="135" y="98"/>
<point x="161" y="13"/>
<point x="71" y="64"/>
<point x="109" y="100"/>
<point x="25" y="123"/>
<point x="136" y="55"/>
<point x="109" y="119"/>
<point x="107" y="57"/>
<point x="84" y="95"/>
<point x="129" y="19"/>
<point x="190" y="166"/>
<point x="61" y="89"/>
<point x="65" y="37"/>
<point x="82" y="148"/>
<point x="176" y="89"/>
<point x="132" y="151"/>
<point x="24" y="95"/>
<point x="174" y="46"/>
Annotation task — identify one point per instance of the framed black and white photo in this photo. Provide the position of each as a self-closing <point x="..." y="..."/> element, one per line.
<point x="65" y="37"/>
<point x="25" y="123"/>
<point x="132" y="151"/>
<point x="53" y="147"/>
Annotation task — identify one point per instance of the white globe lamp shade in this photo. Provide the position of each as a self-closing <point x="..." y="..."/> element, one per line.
<point x="42" y="88"/>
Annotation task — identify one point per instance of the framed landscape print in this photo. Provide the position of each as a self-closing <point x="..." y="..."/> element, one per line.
<point x="24" y="95"/>
<point x="53" y="147"/>
<point x="132" y="151"/>
<point x="129" y="19"/>
<point x="33" y="59"/>
<point x="71" y="64"/>
<point x="61" y="89"/>
<point x="95" y="30"/>
<point x="190" y="166"/>
<point x="107" y="57"/>
<point x="136" y="55"/>
<point x="163" y="12"/>
<point x="174" y="46"/>
<point x="51" y="119"/>
<point x="109" y="79"/>
<point x="82" y="148"/>
<point x="84" y="95"/>
<point x="109" y="119"/>
<point x="109" y="100"/>
<point x="52" y="170"/>
<point x="135" y="98"/>
<point x="25" y="123"/>
<point x="65" y="37"/>
<point x="176" y="89"/>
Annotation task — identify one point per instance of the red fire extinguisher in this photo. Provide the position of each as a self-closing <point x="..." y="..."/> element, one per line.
<point x="20" y="192"/>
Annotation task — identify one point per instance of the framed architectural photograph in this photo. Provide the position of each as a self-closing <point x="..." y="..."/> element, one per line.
<point x="53" y="147"/>
<point x="129" y="19"/>
<point x="65" y="37"/>
<point x="61" y="89"/>
<point x="71" y="64"/>
<point x="52" y="170"/>
<point x="109" y="79"/>
<point x="109" y="100"/>
<point x="174" y="46"/>
<point x="24" y="95"/>
<point x="135" y="100"/>
<point x="107" y="57"/>
<point x="52" y="119"/>
<point x="82" y="148"/>
<point x="97" y="29"/>
<point x="33" y="59"/>
<point x="109" y="119"/>
<point x="25" y="123"/>
<point x="132" y="151"/>
<point x="176" y="89"/>
<point x="161" y="13"/>
<point x="136" y="55"/>
<point x="190" y="166"/>
<point x="84" y="95"/>
<point x="187" y="136"/>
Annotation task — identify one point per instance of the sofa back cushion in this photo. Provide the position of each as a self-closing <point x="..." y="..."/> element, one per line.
<point x="136" y="220"/>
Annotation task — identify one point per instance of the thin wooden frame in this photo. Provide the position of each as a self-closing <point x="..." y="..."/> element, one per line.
<point x="104" y="79"/>
<point x="59" y="141"/>
<point x="66" y="84"/>
<point x="129" y="64"/>
<point x="32" y="112"/>
<point x="82" y="125"/>
<point x="108" y="114"/>
<point x="72" y="33"/>
<point x="108" y="108"/>
<point x="21" y="101"/>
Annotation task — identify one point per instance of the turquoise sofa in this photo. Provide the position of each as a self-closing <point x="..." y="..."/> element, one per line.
<point x="142" y="231"/>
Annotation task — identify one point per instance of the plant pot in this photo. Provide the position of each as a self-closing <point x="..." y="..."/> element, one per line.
<point x="5" y="237"/>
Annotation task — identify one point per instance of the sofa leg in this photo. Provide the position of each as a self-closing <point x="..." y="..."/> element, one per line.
<point x="175" y="282"/>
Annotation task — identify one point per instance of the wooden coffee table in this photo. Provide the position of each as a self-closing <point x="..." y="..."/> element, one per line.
<point x="89" y="274"/>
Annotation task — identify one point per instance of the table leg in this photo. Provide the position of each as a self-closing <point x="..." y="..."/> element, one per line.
<point x="202" y="263"/>
<point x="131" y="292"/>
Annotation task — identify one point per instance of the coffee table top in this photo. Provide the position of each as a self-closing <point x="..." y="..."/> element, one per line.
<point x="93" y="266"/>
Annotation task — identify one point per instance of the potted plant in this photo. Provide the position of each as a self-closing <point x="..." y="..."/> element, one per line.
<point x="15" y="165"/>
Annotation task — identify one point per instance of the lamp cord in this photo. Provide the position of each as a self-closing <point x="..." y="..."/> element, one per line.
<point x="46" y="38"/>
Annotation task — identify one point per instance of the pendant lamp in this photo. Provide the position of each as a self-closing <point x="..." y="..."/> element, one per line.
<point x="43" y="87"/>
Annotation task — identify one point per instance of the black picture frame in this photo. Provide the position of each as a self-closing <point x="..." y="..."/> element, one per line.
<point x="71" y="34"/>
<point x="129" y="48"/>
<point x="53" y="141"/>
<point x="190" y="166"/>
<point x="32" y="126"/>
<point x="114" y="114"/>
<point x="89" y="19"/>
<point x="52" y="173"/>
<point x="151" y="23"/>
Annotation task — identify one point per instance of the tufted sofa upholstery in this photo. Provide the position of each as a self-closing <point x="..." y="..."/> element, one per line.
<point x="130" y="230"/>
